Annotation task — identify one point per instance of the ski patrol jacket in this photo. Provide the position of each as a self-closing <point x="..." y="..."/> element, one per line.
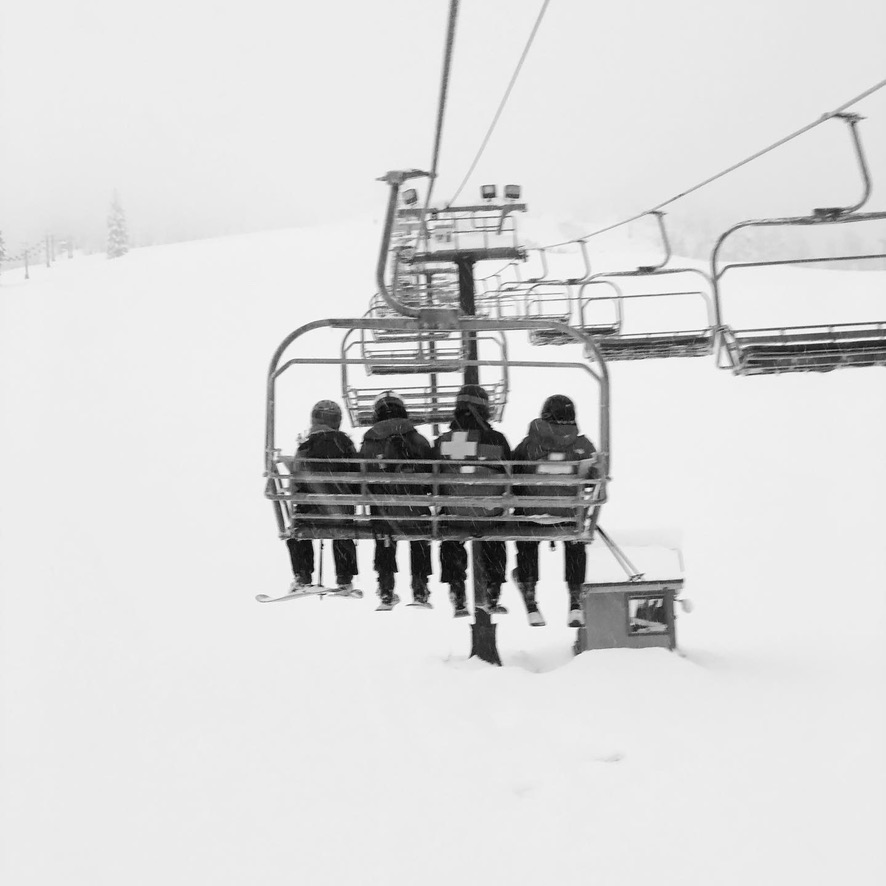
<point x="471" y="438"/>
<point x="321" y="445"/>
<point x="552" y="447"/>
<point x="396" y="438"/>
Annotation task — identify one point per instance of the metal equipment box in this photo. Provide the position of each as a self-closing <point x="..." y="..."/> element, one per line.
<point x="633" y="615"/>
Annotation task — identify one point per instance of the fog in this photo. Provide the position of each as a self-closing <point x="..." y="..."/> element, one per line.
<point x="213" y="118"/>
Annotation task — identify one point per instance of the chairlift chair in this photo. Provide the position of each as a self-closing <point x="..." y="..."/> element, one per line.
<point x="615" y="341"/>
<point x="441" y="487"/>
<point x="801" y="348"/>
<point x="617" y="344"/>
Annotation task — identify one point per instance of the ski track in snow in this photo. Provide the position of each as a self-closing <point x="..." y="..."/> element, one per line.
<point x="161" y="726"/>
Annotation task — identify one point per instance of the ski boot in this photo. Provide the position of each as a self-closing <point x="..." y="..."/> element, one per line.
<point x="420" y="595"/>
<point x="459" y="599"/>
<point x="344" y="588"/>
<point x="576" y="613"/>
<point x="301" y="582"/>
<point x="493" y="607"/>
<point x="388" y="599"/>
<point x="527" y="590"/>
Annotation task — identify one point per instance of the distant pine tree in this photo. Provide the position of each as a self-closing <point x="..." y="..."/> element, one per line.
<point x="118" y="236"/>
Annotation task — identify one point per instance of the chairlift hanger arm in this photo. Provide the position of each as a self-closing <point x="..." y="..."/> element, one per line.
<point x="394" y="178"/>
<point x="583" y="244"/>
<point x="544" y="265"/>
<point x="852" y="121"/>
<point x="666" y="243"/>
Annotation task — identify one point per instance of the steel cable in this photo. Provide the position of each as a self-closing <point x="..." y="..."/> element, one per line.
<point x="713" y="178"/>
<point x="502" y="104"/>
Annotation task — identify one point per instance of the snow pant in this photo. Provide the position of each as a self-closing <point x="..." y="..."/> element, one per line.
<point x="385" y="561"/>
<point x="344" y="553"/>
<point x="575" y="559"/>
<point x="454" y="561"/>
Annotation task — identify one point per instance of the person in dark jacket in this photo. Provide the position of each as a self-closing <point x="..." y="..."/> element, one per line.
<point x="552" y="443"/>
<point x="394" y="436"/>
<point x="470" y="436"/>
<point x="324" y="441"/>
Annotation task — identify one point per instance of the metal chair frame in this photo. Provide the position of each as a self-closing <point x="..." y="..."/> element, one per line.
<point x="411" y="354"/>
<point x="585" y="497"/>
<point x="615" y="343"/>
<point x="802" y="348"/>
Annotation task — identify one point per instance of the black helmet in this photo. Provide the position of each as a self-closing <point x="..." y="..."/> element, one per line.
<point x="388" y="405"/>
<point x="472" y="398"/>
<point x="558" y="410"/>
<point x="326" y="412"/>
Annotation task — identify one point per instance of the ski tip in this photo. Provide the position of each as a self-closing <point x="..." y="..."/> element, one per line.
<point x="262" y="598"/>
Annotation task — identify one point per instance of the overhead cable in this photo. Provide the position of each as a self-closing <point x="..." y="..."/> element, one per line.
<point x="441" y="104"/>
<point x="503" y="102"/>
<point x="713" y="178"/>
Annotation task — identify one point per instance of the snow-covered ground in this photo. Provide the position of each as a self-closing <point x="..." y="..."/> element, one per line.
<point x="162" y="727"/>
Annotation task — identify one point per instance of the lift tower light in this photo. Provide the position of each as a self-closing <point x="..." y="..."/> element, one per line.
<point x="410" y="196"/>
<point x="488" y="192"/>
<point x="512" y="192"/>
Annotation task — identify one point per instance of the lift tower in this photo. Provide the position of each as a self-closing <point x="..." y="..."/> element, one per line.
<point x="459" y="236"/>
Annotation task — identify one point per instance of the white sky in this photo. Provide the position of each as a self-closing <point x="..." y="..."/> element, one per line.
<point x="216" y="117"/>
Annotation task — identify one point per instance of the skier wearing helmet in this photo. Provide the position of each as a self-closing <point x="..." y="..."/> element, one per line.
<point x="553" y="441"/>
<point x="471" y="437"/>
<point x="393" y="436"/>
<point x="324" y="441"/>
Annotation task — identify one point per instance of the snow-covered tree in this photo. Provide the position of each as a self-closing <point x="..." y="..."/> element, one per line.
<point x="118" y="235"/>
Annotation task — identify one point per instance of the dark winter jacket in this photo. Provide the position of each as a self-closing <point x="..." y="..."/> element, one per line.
<point x="312" y="456"/>
<point x="555" y="449"/>
<point x="470" y="437"/>
<point x="396" y="438"/>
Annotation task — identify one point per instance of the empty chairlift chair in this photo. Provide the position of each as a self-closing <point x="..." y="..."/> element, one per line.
<point x="768" y="350"/>
<point x="663" y="305"/>
<point x="556" y="300"/>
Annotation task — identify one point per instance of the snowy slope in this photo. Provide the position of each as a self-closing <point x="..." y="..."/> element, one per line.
<point x="160" y="726"/>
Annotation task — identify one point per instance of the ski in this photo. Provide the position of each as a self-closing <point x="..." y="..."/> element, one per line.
<point x="387" y="607"/>
<point x="311" y="591"/>
<point x="417" y="604"/>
